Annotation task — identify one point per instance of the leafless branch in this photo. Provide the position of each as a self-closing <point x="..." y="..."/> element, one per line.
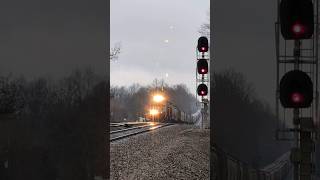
<point x="115" y="51"/>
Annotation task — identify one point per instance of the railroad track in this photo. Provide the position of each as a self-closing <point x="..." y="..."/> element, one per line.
<point x="128" y="129"/>
<point x="124" y="133"/>
<point x="126" y="124"/>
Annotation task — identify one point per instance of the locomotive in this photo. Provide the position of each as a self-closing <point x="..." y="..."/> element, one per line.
<point x="168" y="112"/>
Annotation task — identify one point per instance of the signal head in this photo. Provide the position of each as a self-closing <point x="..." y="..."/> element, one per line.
<point x="203" y="44"/>
<point x="202" y="90"/>
<point x="296" y="90"/>
<point x="202" y="66"/>
<point x="296" y="19"/>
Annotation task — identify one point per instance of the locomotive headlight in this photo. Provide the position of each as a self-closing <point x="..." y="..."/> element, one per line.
<point x="158" y="98"/>
<point x="153" y="112"/>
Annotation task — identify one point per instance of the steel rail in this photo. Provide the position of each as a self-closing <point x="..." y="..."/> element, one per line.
<point x="139" y="132"/>
<point x="127" y="129"/>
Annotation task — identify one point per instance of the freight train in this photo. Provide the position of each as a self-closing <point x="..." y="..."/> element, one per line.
<point x="170" y="113"/>
<point x="229" y="168"/>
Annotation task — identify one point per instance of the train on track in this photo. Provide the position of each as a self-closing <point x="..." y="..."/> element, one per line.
<point x="229" y="168"/>
<point x="171" y="113"/>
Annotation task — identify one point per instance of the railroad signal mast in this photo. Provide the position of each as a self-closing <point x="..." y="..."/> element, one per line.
<point x="297" y="63"/>
<point x="202" y="77"/>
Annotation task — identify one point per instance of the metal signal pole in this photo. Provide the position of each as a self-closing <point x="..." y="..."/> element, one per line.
<point x="202" y="77"/>
<point x="304" y="58"/>
<point x="296" y="110"/>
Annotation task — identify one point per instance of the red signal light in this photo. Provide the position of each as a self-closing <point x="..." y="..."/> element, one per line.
<point x="297" y="98"/>
<point x="203" y="44"/>
<point x="296" y="90"/>
<point x="298" y="29"/>
<point x="296" y="19"/>
<point x="202" y="90"/>
<point x="202" y="66"/>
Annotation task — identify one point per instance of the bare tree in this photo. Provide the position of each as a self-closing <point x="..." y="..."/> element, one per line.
<point x="60" y="132"/>
<point x="132" y="101"/>
<point x="115" y="51"/>
<point x="244" y="124"/>
<point x="205" y="27"/>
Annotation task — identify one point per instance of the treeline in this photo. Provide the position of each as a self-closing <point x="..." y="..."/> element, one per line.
<point x="132" y="102"/>
<point x="244" y="125"/>
<point x="59" y="127"/>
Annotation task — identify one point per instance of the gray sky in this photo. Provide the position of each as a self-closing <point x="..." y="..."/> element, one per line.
<point x="158" y="37"/>
<point x="52" y="37"/>
<point x="243" y="40"/>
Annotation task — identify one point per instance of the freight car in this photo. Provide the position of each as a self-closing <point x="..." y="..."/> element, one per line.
<point x="172" y="113"/>
<point x="229" y="168"/>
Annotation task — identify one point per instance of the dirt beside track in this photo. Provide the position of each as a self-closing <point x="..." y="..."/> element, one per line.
<point x="174" y="152"/>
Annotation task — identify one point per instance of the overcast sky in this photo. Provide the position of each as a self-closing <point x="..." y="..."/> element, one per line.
<point x="40" y="38"/>
<point x="44" y="37"/>
<point x="158" y="38"/>
<point x="243" y="40"/>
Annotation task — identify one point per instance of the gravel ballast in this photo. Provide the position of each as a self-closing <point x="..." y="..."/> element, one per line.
<point x="173" y="152"/>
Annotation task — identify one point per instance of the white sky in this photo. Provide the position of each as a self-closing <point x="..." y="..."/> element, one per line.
<point x="158" y="37"/>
